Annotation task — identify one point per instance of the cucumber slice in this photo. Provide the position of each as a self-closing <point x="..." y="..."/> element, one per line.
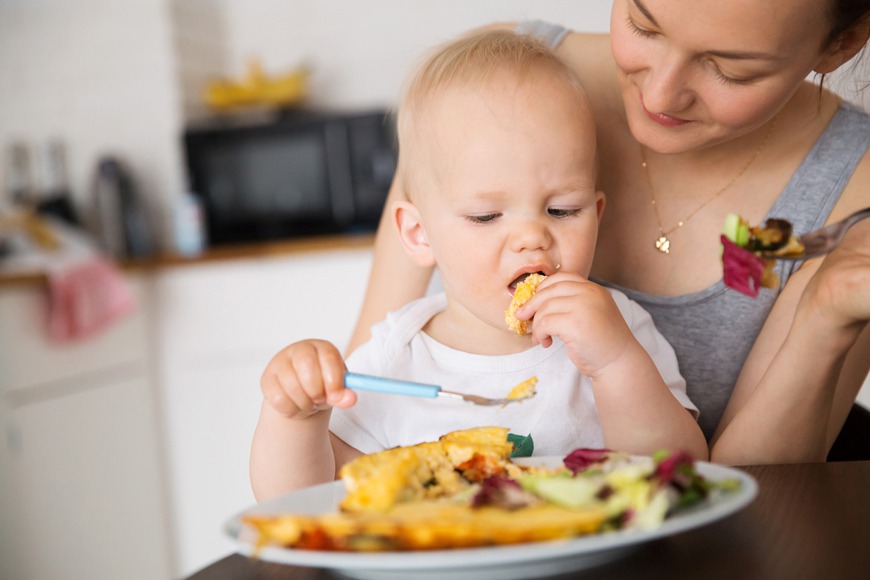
<point x="736" y="229"/>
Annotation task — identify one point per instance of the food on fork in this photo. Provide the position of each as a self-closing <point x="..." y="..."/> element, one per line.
<point x="463" y="491"/>
<point x="524" y="292"/>
<point x="743" y="267"/>
<point x="524" y="390"/>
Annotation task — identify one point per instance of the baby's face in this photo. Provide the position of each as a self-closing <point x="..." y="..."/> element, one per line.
<point x="507" y="187"/>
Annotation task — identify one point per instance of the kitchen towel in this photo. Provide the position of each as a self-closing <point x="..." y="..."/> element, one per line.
<point x="84" y="297"/>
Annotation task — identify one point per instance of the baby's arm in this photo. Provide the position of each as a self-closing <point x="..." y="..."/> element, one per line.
<point x="292" y="446"/>
<point x="638" y="412"/>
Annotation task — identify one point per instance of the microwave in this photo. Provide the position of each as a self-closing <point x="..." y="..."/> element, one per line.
<point x="302" y="174"/>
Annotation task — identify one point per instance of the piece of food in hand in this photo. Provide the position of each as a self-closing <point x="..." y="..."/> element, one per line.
<point x="524" y="390"/>
<point x="524" y="292"/>
<point x="605" y="491"/>
<point x="743" y="267"/>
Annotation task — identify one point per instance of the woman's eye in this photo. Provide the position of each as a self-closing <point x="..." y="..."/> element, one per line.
<point x="641" y="32"/>
<point x="562" y="213"/>
<point x="482" y="219"/>
<point x="729" y="80"/>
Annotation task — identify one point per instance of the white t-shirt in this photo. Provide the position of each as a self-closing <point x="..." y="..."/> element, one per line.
<point x="560" y="417"/>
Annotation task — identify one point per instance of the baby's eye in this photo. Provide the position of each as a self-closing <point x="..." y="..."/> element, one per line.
<point x="563" y="213"/>
<point x="482" y="219"/>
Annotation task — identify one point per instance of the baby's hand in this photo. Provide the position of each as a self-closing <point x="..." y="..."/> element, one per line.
<point x="584" y="316"/>
<point x="306" y="378"/>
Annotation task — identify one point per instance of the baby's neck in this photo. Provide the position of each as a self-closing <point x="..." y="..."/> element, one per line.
<point x="472" y="335"/>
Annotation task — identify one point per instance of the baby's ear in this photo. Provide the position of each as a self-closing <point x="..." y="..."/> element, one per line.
<point x="600" y="203"/>
<point x="411" y="232"/>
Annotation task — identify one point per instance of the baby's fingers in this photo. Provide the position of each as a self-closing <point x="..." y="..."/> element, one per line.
<point x="333" y="369"/>
<point x="319" y="370"/>
<point x="276" y="392"/>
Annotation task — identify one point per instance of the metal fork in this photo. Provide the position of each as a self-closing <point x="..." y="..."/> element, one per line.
<point x="821" y="241"/>
<point x="361" y="382"/>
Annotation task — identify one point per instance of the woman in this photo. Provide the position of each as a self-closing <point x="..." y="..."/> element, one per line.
<point x="703" y="110"/>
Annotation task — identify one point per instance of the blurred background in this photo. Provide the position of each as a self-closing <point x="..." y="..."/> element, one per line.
<point x="125" y="432"/>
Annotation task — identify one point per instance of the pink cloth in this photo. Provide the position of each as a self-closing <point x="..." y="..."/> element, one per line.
<point x="85" y="297"/>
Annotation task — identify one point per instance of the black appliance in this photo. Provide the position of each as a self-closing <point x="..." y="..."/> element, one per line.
<point x="303" y="174"/>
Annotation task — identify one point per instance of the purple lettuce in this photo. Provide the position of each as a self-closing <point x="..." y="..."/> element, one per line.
<point x="741" y="269"/>
<point x="582" y="458"/>
<point x="503" y="492"/>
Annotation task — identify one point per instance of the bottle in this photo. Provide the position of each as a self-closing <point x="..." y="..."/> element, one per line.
<point x="55" y="196"/>
<point x="18" y="179"/>
<point x="107" y="205"/>
<point x="189" y="225"/>
<point x="121" y="225"/>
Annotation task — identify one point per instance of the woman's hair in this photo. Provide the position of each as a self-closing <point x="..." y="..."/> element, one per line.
<point x="845" y="14"/>
<point x="472" y="61"/>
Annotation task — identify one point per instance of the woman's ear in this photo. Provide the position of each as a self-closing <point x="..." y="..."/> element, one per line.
<point x="411" y="233"/>
<point x="844" y="47"/>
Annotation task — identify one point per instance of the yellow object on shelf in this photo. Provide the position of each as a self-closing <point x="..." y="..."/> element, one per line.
<point x="39" y="230"/>
<point x="257" y="88"/>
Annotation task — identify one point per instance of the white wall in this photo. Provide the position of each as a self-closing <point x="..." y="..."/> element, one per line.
<point x="96" y="74"/>
<point x="361" y="51"/>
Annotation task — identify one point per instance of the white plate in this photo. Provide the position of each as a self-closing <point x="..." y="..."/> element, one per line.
<point x="500" y="562"/>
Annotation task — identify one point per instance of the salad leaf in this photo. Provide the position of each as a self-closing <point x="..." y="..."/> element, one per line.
<point x="736" y="229"/>
<point x="582" y="458"/>
<point x="569" y="492"/>
<point x="677" y="470"/>
<point x="523" y="445"/>
<point x="503" y="492"/>
<point x="741" y="269"/>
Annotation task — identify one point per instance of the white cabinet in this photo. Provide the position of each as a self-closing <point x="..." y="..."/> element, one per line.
<point x="218" y="324"/>
<point x="80" y="479"/>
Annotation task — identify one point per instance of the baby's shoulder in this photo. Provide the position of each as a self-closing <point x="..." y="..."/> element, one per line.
<point x="398" y="329"/>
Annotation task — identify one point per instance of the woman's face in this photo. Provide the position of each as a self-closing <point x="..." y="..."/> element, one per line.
<point x="697" y="73"/>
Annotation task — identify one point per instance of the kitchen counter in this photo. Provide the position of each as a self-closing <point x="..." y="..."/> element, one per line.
<point x="132" y="410"/>
<point x="220" y="253"/>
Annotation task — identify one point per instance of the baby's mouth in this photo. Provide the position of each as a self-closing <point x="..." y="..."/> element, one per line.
<point x="521" y="277"/>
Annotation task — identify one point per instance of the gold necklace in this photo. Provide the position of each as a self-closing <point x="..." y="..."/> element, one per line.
<point x="663" y="243"/>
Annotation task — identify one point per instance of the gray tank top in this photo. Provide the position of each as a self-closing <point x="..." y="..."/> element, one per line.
<point x="713" y="330"/>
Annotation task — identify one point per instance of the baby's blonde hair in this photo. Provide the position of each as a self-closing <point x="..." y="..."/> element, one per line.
<point x="471" y="61"/>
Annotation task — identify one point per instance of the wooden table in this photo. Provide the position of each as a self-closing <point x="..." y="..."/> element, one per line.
<point x="808" y="521"/>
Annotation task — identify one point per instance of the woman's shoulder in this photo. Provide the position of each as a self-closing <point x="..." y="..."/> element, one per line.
<point x="854" y="195"/>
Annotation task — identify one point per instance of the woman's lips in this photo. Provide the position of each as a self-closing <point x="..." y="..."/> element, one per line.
<point x="662" y="118"/>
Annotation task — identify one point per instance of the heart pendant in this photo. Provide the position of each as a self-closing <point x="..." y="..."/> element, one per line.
<point x="663" y="245"/>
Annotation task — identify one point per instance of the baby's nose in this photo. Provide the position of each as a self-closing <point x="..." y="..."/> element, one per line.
<point x="530" y="235"/>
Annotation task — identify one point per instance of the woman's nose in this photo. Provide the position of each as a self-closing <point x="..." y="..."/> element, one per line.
<point x="666" y="87"/>
<point x="530" y="235"/>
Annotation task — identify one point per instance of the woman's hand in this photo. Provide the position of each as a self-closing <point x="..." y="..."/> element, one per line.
<point x="306" y="378"/>
<point x="584" y="316"/>
<point x="793" y="395"/>
<point x="839" y="292"/>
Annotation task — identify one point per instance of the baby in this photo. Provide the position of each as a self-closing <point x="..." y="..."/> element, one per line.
<point x="498" y="164"/>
